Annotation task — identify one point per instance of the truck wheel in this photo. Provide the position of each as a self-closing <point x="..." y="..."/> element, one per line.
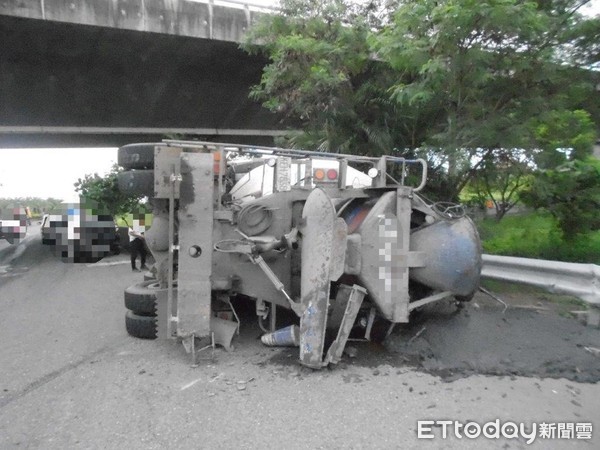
<point x="143" y="327"/>
<point x="136" y="156"/>
<point x="141" y="298"/>
<point x="136" y="182"/>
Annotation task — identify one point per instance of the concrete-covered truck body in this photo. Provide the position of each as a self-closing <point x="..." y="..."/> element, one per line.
<point x="322" y="234"/>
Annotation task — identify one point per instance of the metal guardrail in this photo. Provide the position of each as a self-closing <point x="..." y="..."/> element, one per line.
<point x="578" y="280"/>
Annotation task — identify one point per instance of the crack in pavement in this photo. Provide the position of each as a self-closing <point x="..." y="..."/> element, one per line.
<point x="11" y="397"/>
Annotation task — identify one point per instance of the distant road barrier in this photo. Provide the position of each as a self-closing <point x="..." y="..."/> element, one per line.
<point x="578" y="280"/>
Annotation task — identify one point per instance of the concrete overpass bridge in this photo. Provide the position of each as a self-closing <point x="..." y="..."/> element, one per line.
<point x="109" y="72"/>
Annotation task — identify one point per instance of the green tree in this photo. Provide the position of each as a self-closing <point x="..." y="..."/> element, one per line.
<point x="323" y="79"/>
<point x="489" y="66"/>
<point x="37" y="205"/>
<point x="585" y="37"/>
<point x="452" y="80"/>
<point x="104" y="190"/>
<point x="563" y="135"/>
<point x="501" y="178"/>
<point x="571" y="193"/>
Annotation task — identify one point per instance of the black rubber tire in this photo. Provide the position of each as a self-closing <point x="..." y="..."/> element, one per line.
<point x="143" y="327"/>
<point x="136" y="182"/>
<point x="141" y="298"/>
<point x="136" y="156"/>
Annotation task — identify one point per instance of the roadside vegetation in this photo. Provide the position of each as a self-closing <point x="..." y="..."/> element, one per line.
<point x="562" y="221"/>
<point x="104" y="190"/>
<point x="536" y="298"/>
<point x="37" y="206"/>
<point x="101" y="189"/>
<point x="537" y="235"/>
<point x="125" y="220"/>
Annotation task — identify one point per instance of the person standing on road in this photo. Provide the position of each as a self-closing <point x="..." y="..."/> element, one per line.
<point x="137" y="243"/>
<point x="28" y="215"/>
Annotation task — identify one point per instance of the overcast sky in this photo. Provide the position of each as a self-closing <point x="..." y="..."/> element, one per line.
<point x="593" y="7"/>
<point x="51" y="172"/>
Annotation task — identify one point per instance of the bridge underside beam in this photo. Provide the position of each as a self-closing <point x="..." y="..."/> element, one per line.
<point x="65" y="76"/>
<point x="178" y="17"/>
<point x="88" y="139"/>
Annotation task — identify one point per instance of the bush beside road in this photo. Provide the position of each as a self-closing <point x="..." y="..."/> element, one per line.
<point x="536" y="235"/>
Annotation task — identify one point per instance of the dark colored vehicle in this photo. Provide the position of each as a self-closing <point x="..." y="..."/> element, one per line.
<point x="77" y="233"/>
<point x="13" y="224"/>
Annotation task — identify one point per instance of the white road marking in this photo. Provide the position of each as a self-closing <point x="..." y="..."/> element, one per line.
<point x="189" y="385"/>
<point x="104" y="264"/>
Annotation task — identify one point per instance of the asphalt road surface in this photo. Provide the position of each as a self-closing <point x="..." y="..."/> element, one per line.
<point x="71" y="377"/>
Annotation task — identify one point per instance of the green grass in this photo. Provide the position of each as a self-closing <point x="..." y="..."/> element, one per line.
<point x="536" y="235"/>
<point x="562" y="304"/>
<point x="505" y="287"/>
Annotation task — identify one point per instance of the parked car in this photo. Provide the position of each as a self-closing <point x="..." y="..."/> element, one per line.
<point x="77" y="234"/>
<point x="13" y="224"/>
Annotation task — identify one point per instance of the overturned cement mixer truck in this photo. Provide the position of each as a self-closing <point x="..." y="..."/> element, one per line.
<point x="325" y="235"/>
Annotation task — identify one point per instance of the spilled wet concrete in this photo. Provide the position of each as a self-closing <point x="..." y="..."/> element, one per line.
<point x="487" y="341"/>
<point x="482" y="339"/>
